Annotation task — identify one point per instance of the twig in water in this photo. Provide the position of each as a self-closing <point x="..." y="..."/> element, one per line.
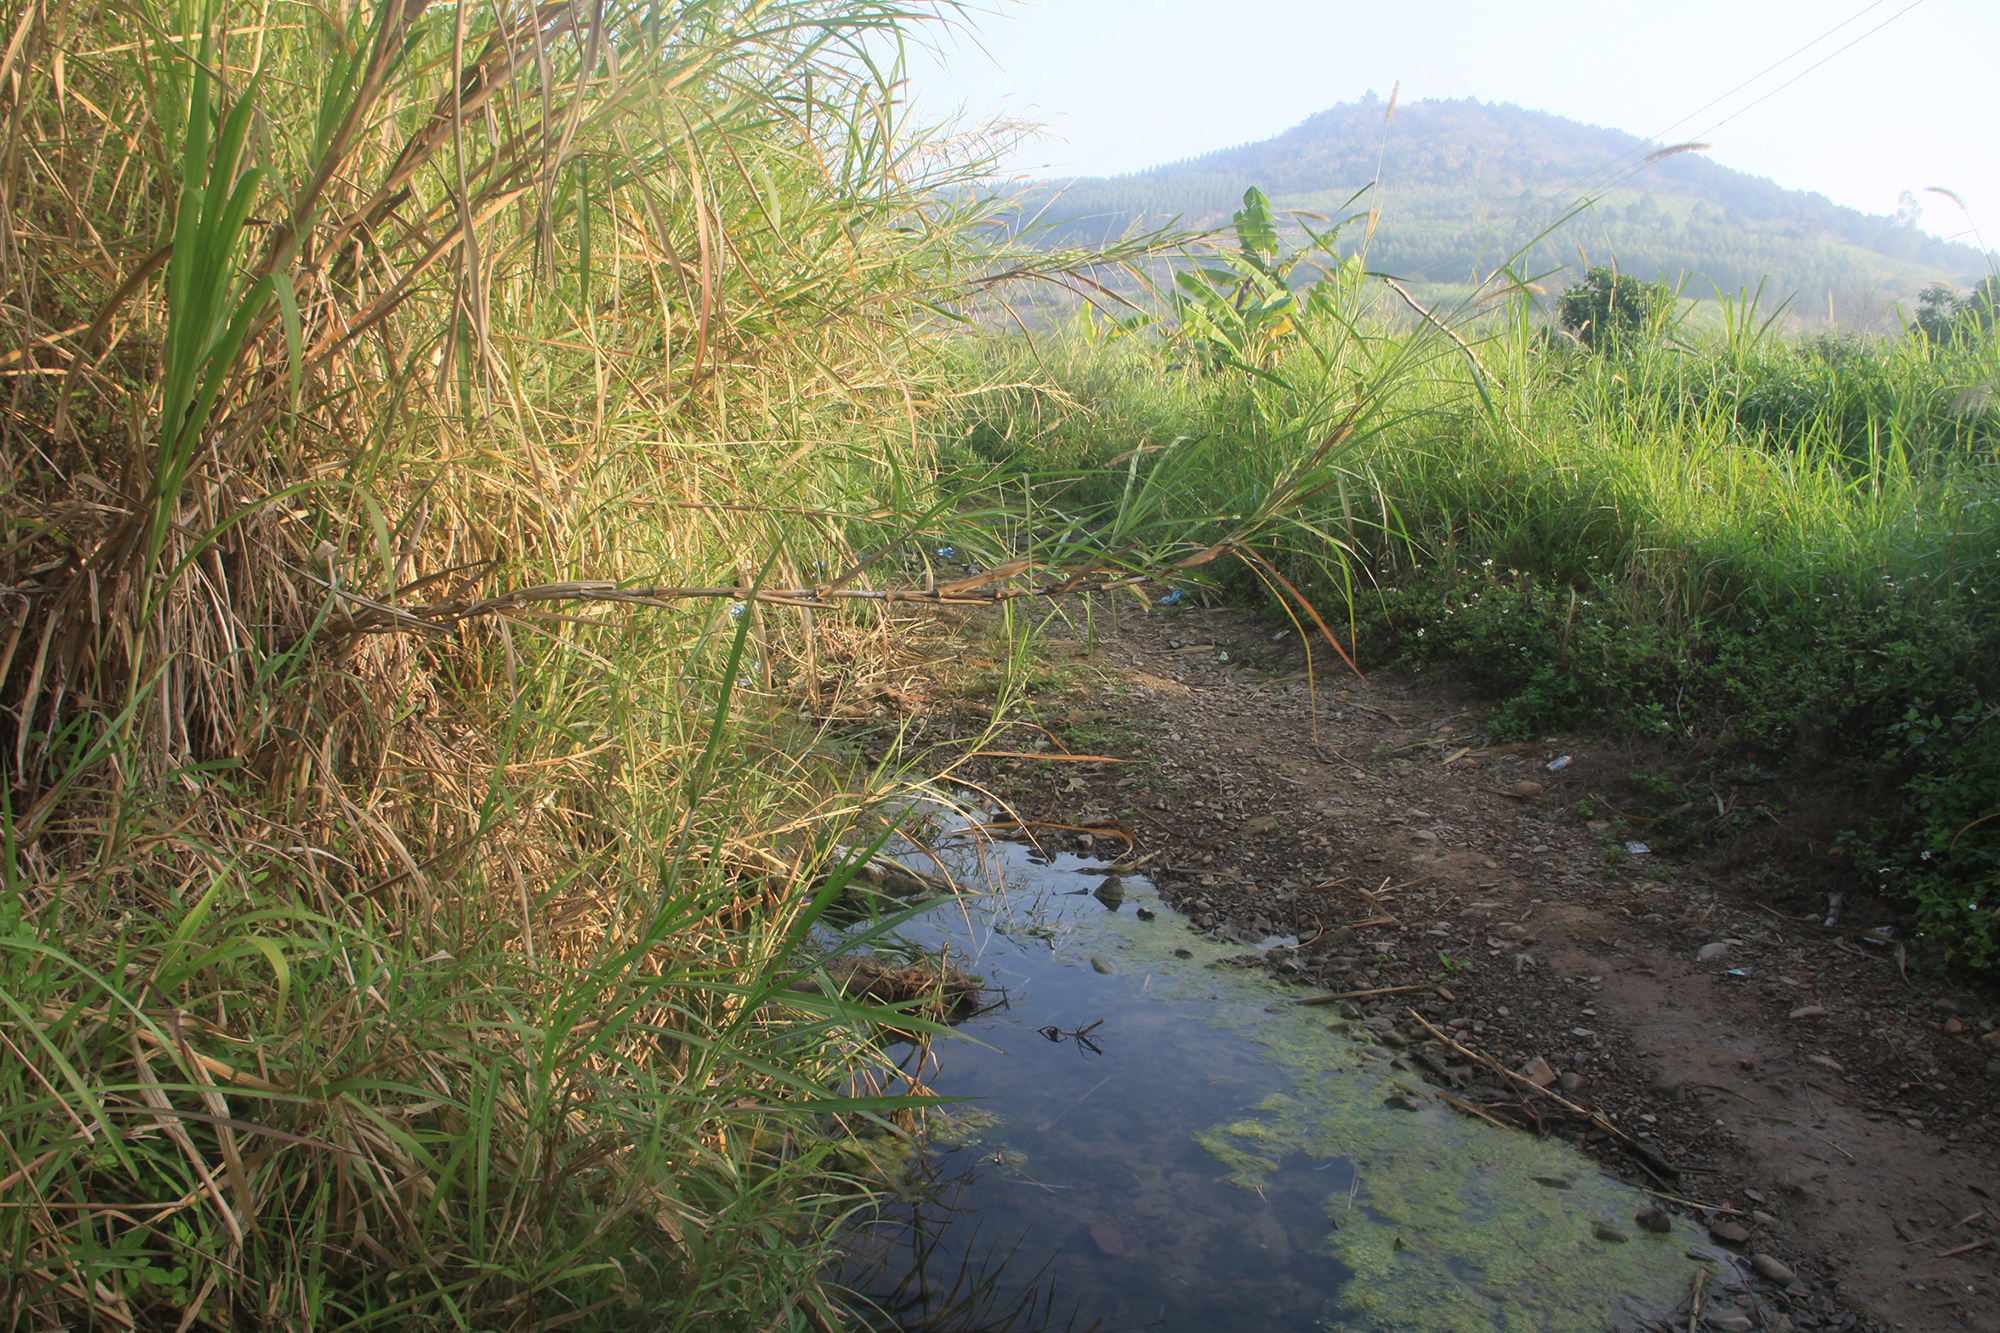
<point x="1079" y="1101"/>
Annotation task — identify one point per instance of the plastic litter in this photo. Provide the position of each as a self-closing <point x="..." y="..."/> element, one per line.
<point x="1556" y="764"/>
<point x="1636" y="849"/>
<point x="946" y="552"/>
<point x="1738" y="972"/>
<point x="1174" y="598"/>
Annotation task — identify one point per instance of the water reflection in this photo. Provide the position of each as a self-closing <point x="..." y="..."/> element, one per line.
<point x="1150" y="1138"/>
<point x="1070" y="1191"/>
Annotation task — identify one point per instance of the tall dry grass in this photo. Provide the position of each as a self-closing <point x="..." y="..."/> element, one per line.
<point x="435" y="977"/>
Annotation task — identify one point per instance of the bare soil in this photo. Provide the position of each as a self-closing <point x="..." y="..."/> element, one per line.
<point x="1805" y="1084"/>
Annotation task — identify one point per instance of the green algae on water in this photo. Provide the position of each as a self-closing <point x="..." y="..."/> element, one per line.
<point x="1441" y="1221"/>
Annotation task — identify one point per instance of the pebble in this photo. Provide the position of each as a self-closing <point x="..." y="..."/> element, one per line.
<point x="1827" y="1062"/>
<point x="1952" y="1027"/>
<point x="1656" y="1219"/>
<point x="1762" y="1218"/>
<point x="1605" y="1231"/>
<point x="1571" y="1082"/>
<point x="1809" y="1011"/>
<point x="1553" y="1182"/>
<point x="1708" y="953"/>
<point x="1771" y="1270"/>
<point x="1537" y="1072"/>
<point x="1100" y="965"/>
<point x="1402" y="1103"/>
<point x="1527" y="789"/>
<point x="1730" y="1323"/>
<point x="1728" y="1232"/>
<point x="1146" y="914"/>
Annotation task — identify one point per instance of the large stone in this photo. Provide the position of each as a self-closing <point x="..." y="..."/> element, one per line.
<point x="1771" y="1270"/>
<point x="1537" y="1072"/>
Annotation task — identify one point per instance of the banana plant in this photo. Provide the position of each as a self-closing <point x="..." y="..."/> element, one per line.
<point x="1238" y="309"/>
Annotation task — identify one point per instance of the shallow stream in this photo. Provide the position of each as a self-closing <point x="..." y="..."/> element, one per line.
<point x="1210" y="1156"/>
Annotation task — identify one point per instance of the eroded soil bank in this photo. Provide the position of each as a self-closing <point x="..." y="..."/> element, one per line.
<point x="1793" y="1088"/>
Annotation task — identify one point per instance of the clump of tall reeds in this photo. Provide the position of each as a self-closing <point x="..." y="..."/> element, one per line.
<point x="435" y="977"/>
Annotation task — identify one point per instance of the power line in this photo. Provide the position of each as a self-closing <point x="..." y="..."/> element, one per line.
<point x="1660" y="137"/>
<point x="1584" y="181"/>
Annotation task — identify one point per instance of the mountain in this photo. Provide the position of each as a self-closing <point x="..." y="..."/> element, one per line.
<point x="1461" y="185"/>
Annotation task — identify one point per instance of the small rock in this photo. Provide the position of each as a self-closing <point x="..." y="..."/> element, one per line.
<point x="1537" y="1072"/>
<point x="1952" y="1027"/>
<point x="1424" y="835"/>
<point x="1108" y="1241"/>
<point x="1375" y="1052"/>
<point x="1948" y="1006"/>
<point x="1393" y="1039"/>
<point x="1991" y="1039"/>
<point x="1605" y="1231"/>
<point x="1809" y="1011"/>
<point x="1527" y="788"/>
<point x="1664" y="1085"/>
<point x="1728" y="1232"/>
<point x="1100" y="965"/>
<point x="1571" y="1082"/>
<point x="1708" y="953"/>
<point x="1348" y="1009"/>
<point x="1762" y="1218"/>
<point x="1771" y="1270"/>
<point x="1730" y="1323"/>
<point x="1597" y="825"/>
<point x="1145" y="914"/>
<point x="1261" y="825"/>
<point x="1402" y="1103"/>
<point x="1184" y="953"/>
<point x="1553" y="1182"/>
<point x="1656" y="1220"/>
<point x="1827" y="1062"/>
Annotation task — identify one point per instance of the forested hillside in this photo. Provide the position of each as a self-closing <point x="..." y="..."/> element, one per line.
<point x="1462" y="185"/>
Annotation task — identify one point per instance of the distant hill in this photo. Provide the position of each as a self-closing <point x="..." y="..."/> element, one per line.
<point x="1464" y="184"/>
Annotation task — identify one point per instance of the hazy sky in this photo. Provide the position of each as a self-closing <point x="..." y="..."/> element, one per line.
<point x="1914" y="101"/>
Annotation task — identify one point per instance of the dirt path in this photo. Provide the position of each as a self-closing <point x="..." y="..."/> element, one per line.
<point x="1787" y="1078"/>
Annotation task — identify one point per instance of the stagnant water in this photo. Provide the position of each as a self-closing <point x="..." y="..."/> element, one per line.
<point x="1212" y="1157"/>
